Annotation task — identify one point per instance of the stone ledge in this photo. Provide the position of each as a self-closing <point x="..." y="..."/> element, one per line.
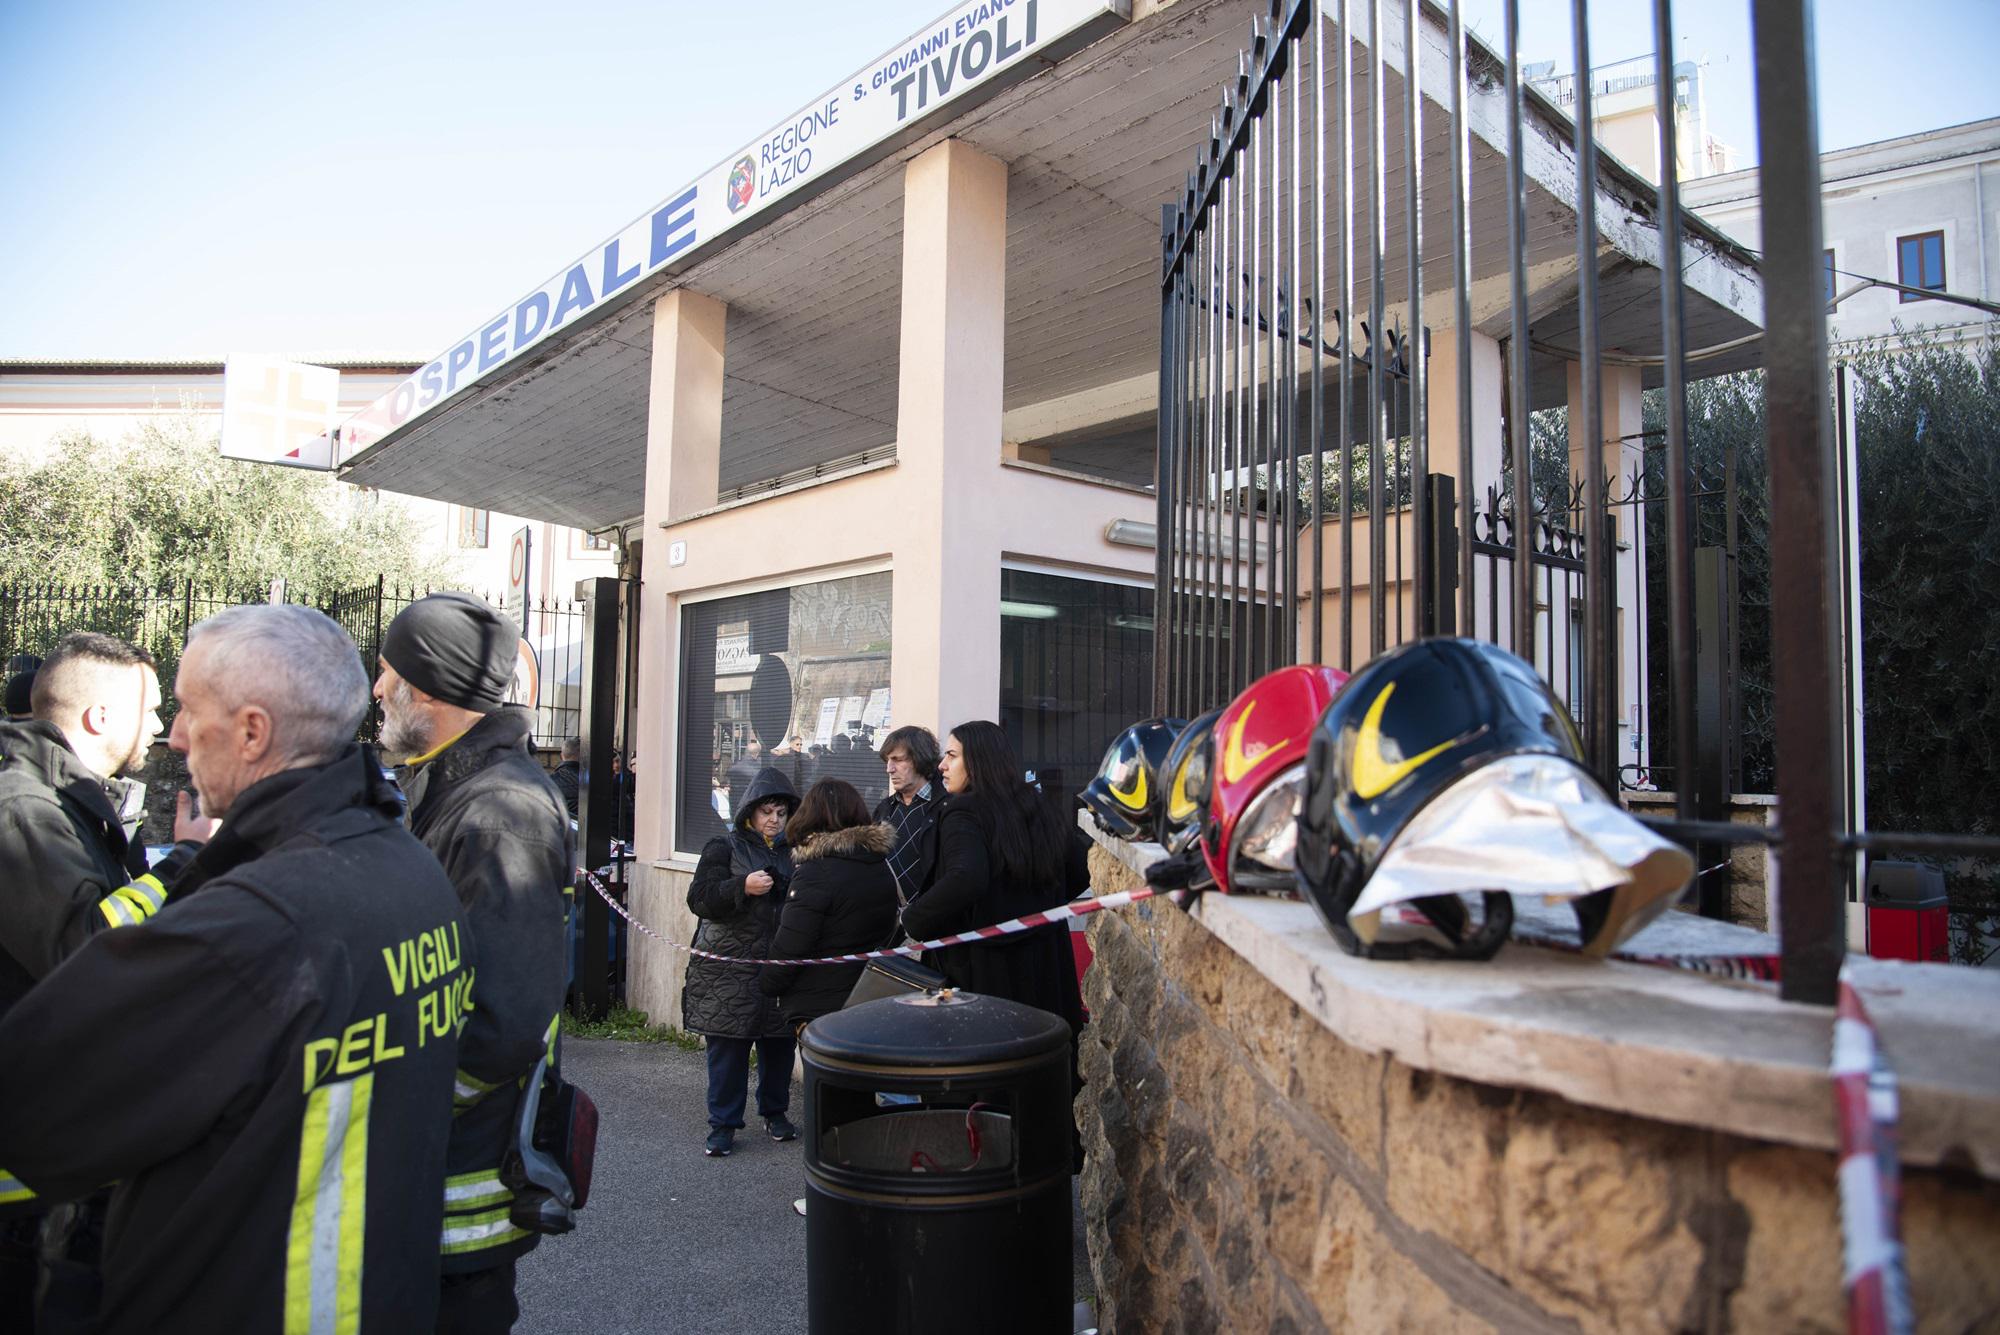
<point x="1629" y="1038"/>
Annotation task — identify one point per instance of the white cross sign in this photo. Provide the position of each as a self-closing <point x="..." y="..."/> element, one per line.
<point x="276" y="412"/>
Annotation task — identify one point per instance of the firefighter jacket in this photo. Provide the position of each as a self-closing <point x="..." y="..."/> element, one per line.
<point x="64" y="857"/>
<point x="265" y="1070"/>
<point x="496" y="822"/>
<point x="68" y="871"/>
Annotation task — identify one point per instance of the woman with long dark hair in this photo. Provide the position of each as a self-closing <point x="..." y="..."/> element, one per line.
<point x="842" y="901"/>
<point x="1004" y="851"/>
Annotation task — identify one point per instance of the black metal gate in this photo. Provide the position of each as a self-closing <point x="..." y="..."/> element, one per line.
<point x="1294" y="402"/>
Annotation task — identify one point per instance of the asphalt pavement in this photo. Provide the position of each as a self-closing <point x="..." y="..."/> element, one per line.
<point x="672" y="1240"/>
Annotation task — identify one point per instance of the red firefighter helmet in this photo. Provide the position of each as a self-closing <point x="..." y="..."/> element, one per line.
<point x="1257" y="776"/>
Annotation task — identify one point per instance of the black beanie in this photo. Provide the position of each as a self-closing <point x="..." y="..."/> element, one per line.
<point x="456" y="648"/>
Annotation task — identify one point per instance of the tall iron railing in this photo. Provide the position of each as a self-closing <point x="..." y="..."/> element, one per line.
<point x="1288" y="409"/>
<point x="34" y="616"/>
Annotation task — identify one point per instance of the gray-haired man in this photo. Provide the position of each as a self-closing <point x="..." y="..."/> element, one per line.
<point x="265" y="1067"/>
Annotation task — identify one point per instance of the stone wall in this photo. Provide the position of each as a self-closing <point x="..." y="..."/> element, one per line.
<point x="1249" y="1171"/>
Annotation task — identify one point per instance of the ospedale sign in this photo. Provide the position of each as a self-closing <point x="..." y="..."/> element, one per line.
<point x="886" y="103"/>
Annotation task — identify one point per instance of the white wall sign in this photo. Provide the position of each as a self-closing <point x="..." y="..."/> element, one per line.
<point x="969" y="53"/>
<point x="829" y="719"/>
<point x="733" y="656"/>
<point x="279" y="412"/>
<point x="875" y="714"/>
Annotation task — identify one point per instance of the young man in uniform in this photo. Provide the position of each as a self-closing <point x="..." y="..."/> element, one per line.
<point x="63" y="846"/>
<point x="494" y="820"/>
<point x="70" y="872"/>
<point x="265" y="1068"/>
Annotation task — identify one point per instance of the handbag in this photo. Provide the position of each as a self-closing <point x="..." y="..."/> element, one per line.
<point x="895" y="977"/>
<point x="555" y="1148"/>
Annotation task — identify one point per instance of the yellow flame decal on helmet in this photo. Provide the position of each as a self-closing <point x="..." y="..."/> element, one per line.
<point x="1374" y="772"/>
<point x="1179" y="805"/>
<point x="1235" y="764"/>
<point x="1135" y="798"/>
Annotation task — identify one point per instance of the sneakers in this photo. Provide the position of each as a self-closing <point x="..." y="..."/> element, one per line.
<point x="722" y="1139"/>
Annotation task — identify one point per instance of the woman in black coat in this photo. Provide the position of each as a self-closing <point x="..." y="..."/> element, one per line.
<point x="738" y="888"/>
<point x="842" y="902"/>
<point x="1004" y="851"/>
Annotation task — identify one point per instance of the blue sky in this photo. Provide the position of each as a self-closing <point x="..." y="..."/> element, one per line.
<point x="202" y="178"/>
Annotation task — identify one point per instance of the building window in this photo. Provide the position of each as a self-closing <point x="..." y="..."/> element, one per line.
<point x="1832" y="278"/>
<point x="472" y="527"/>
<point x="593" y="543"/>
<point x="1920" y="263"/>
<point x="1076" y="669"/>
<point x="795" y="679"/>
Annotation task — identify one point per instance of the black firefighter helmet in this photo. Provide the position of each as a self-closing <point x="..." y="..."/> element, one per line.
<point x="1409" y="725"/>
<point x="1121" y="797"/>
<point x="1183" y="789"/>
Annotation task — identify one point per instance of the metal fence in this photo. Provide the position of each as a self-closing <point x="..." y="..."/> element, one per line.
<point x="34" y="617"/>
<point x="1293" y="409"/>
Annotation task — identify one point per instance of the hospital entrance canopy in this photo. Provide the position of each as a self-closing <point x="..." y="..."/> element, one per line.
<point x="1099" y="112"/>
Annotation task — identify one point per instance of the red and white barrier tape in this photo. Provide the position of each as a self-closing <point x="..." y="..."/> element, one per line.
<point x="1741" y="968"/>
<point x="1864" y="1089"/>
<point x="1755" y="968"/>
<point x="1081" y="908"/>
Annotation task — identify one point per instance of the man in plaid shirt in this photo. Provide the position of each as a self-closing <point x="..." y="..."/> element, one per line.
<point x="916" y="795"/>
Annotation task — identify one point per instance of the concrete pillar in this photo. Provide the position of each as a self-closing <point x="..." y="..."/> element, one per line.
<point x="1489" y="442"/>
<point x="945" y="667"/>
<point x="1623" y="452"/>
<point x="683" y="464"/>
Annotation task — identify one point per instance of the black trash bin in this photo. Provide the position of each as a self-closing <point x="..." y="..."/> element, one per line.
<point x="951" y="1213"/>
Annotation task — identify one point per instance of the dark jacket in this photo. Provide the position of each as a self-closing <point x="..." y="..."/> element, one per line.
<point x="492" y="818"/>
<point x="67" y="868"/>
<point x="723" y="1000"/>
<point x="842" y="901"/>
<point x="566" y="778"/>
<point x="917" y="867"/>
<point x="1037" y="967"/>
<point x="265" y="1070"/>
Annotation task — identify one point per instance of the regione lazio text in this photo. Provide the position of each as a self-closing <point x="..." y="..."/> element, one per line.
<point x="977" y="45"/>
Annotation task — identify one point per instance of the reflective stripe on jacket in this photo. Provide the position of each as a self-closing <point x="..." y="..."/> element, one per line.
<point x="269" y="1076"/>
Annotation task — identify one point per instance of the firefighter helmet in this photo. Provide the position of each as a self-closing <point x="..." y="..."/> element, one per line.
<point x="1121" y="796"/>
<point x="1410" y="725"/>
<point x="1257" y="775"/>
<point x="1184" y="778"/>
<point x="1473" y="725"/>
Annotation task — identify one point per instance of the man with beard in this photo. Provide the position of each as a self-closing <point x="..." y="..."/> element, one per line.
<point x="490" y="814"/>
